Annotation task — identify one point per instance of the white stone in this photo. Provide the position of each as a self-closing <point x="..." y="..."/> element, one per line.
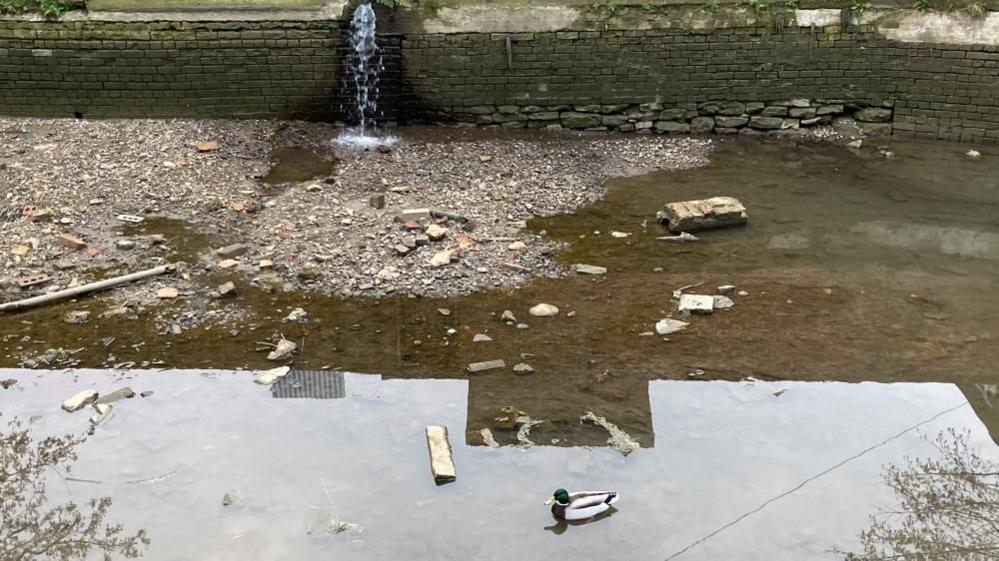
<point x="726" y="288"/>
<point x="668" y="326"/>
<point x="442" y="258"/>
<point x="517" y="246"/>
<point x="103" y="413"/>
<point x="696" y="304"/>
<point x="284" y="349"/>
<point x="272" y="375"/>
<point x="80" y="400"/>
<point x="616" y="234"/>
<point x="973" y="154"/>
<point x="722" y="302"/>
<point x="582" y="269"/>
<point x="523" y="368"/>
<point x="435" y="232"/>
<point x="441" y="458"/>
<point x="481" y="338"/>
<point x="508" y="316"/>
<point x="298" y="315"/>
<point x="544" y="310"/>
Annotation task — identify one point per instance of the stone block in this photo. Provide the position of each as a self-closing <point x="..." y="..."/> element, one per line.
<point x="722" y="108"/>
<point x="672" y="126"/>
<point x="873" y="115"/>
<point x="673" y="115"/>
<point x="441" y="457"/>
<point x="801" y="112"/>
<point x="573" y="120"/>
<point x="835" y="109"/>
<point x="731" y="122"/>
<point x="774" y="111"/>
<point x="706" y="214"/>
<point x="702" y="125"/>
<point x="765" y="123"/>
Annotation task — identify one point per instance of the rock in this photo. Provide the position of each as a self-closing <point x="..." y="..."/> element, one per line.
<point x="669" y="326"/>
<point x="103" y="413"/>
<point x="973" y="154"/>
<point x="377" y="201"/>
<point x="270" y="376"/>
<point x="435" y="232"/>
<point x="507" y="315"/>
<point x="582" y="269"/>
<point x="231" y="251"/>
<point x="146" y="393"/>
<point x="695" y="304"/>
<point x="298" y="315"/>
<point x="77" y="317"/>
<point x="208" y="146"/>
<point x="674" y="114"/>
<point x="488" y="439"/>
<point x="443" y="258"/>
<point x="444" y="312"/>
<point x="403" y="249"/>
<point x="702" y="125"/>
<point x="8" y="383"/>
<point x="523" y="326"/>
<point x="742" y="293"/>
<point x="544" y="310"/>
<point x="117" y="395"/>
<point x="80" y="400"/>
<point x="726" y="288"/>
<point x="71" y="242"/>
<point x="572" y="120"/>
<point x="284" y="349"/>
<point x="477" y="367"/>
<point x="765" y="123"/>
<point x="856" y="144"/>
<point x="167" y="293"/>
<point x="441" y="458"/>
<point x="523" y="368"/>
<point x="228" y="499"/>
<point x="721" y="108"/>
<point x="41" y="215"/>
<point x="517" y="246"/>
<point x="421" y="240"/>
<point x="833" y="109"/>
<point x="683" y="237"/>
<point x="774" y="111"/>
<point x="125" y="244"/>
<point x="20" y="250"/>
<point x="693" y="216"/>
<point x="722" y="302"/>
<point x="481" y="338"/>
<point x="227" y="289"/>
<point x="619" y="235"/>
<point x="801" y="112"/>
<point x="672" y="126"/>
<point x="731" y="122"/>
<point x="618" y="440"/>
<point x="873" y="115"/>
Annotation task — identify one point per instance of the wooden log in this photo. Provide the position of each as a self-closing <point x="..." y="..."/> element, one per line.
<point x="85" y="289"/>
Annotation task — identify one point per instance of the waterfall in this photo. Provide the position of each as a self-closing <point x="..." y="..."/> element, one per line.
<point x="365" y="65"/>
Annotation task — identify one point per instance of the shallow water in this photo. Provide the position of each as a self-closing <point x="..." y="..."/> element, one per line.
<point x="721" y="450"/>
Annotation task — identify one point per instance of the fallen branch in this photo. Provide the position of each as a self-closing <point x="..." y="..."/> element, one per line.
<point x="85" y="289"/>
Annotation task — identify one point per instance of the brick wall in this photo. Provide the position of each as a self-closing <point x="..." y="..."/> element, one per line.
<point x="292" y="69"/>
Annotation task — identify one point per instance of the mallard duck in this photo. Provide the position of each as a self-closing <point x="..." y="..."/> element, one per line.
<point x="582" y="505"/>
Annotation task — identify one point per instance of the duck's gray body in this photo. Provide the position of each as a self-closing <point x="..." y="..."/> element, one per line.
<point x="583" y="505"/>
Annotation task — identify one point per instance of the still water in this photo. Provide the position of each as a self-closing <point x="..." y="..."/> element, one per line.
<point x="734" y="471"/>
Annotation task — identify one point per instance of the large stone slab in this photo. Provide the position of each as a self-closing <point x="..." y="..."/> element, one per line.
<point x="706" y="214"/>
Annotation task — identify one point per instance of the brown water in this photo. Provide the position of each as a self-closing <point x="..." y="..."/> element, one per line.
<point x="858" y="268"/>
<point x="293" y="164"/>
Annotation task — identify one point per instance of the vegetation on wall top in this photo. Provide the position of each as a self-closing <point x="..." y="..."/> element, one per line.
<point x="49" y="8"/>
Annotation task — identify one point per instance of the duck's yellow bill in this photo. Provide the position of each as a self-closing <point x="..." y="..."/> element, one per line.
<point x="550" y="501"/>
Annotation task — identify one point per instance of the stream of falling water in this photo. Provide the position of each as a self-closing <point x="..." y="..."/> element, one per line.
<point x="365" y="67"/>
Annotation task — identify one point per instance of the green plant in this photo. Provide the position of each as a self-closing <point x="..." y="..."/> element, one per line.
<point x="394" y="3"/>
<point x="976" y="9"/>
<point x="922" y="5"/>
<point x="647" y="6"/>
<point x="859" y="6"/>
<point x="48" y="8"/>
<point x="613" y="6"/>
<point x="711" y="6"/>
<point x="759" y="6"/>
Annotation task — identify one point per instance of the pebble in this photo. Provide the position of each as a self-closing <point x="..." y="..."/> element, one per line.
<point x="508" y="316"/>
<point x="481" y="338"/>
<point x="125" y="244"/>
<point x="742" y="293"/>
<point x="973" y="154"/>
<point x="228" y="263"/>
<point x="589" y="269"/>
<point x="517" y="246"/>
<point x="722" y="302"/>
<point x="669" y="326"/>
<point x="227" y="289"/>
<point x="544" y="310"/>
<point x="435" y="232"/>
<point x="103" y="413"/>
<point x="298" y="315"/>
<point x="167" y="293"/>
<point x="523" y="368"/>
<point x="268" y="377"/>
<point x="726" y="288"/>
<point x="444" y="312"/>
<point x="77" y="317"/>
<point x="442" y="258"/>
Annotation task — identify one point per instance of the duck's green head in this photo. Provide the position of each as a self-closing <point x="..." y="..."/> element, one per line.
<point x="561" y="496"/>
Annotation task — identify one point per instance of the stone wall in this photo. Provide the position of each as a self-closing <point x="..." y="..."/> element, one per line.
<point x="599" y="75"/>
